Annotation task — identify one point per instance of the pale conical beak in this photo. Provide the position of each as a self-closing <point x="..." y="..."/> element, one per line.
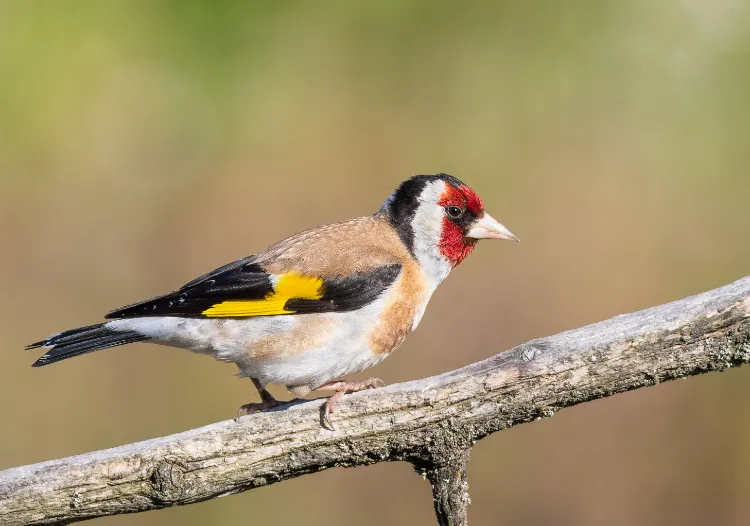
<point x="487" y="227"/>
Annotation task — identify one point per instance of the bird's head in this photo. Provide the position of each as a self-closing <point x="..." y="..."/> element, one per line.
<point x="440" y="219"/>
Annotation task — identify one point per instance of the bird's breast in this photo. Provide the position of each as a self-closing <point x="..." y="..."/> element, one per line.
<point x="403" y="307"/>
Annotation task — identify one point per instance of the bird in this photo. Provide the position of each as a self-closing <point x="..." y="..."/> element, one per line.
<point x="315" y="307"/>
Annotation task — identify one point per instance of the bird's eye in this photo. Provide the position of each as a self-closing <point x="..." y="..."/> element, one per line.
<point x="454" y="212"/>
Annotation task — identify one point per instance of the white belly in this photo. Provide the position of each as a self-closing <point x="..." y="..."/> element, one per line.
<point x="306" y="350"/>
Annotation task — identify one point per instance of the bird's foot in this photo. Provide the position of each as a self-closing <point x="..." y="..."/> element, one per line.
<point x="256" y="407"/>
<point x="342" y="387"/>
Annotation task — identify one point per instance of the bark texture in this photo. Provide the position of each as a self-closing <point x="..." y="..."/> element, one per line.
<point x="431" y="423"/>
<point x="450" y="490"/>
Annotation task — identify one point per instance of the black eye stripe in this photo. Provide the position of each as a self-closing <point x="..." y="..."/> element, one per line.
<point x="465" y="220"/>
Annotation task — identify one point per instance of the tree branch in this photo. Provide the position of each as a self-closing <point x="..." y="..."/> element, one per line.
<point x="431" y="423"/>
<point x="450" y="490"/>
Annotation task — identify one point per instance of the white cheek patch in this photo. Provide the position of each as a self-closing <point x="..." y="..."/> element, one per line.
<point x="428" y="228"/>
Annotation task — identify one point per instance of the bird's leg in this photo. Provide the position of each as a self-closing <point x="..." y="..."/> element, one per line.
<point x="342" y="387"/>
<point x="267" y="401"/>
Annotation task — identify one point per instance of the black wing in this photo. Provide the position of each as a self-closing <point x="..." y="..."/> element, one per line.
<point x="249" y="283"/>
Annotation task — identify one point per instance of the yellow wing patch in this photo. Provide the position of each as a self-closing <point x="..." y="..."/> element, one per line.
<point x="288" y="286"/>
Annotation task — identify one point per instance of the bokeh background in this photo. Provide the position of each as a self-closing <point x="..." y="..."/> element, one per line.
<point x="143" y="143"/>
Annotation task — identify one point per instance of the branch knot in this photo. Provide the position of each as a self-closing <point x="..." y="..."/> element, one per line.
<point x="168" y="482"/>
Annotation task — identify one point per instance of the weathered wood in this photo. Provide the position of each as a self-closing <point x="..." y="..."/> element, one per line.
<point x="431" y="423"/>
<point x="450" y="490"/>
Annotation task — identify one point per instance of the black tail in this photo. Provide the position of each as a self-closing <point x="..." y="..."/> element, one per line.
<point x="81" y="341"/>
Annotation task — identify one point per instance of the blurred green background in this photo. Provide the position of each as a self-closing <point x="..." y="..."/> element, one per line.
<point x="145" y="142"/>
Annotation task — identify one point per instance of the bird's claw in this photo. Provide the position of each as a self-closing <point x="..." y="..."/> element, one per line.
<point x="257" y="407"/>
<point x="341" y="388"/>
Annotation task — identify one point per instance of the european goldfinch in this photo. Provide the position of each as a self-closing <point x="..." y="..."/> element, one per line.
<point x="316" y="306"/>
